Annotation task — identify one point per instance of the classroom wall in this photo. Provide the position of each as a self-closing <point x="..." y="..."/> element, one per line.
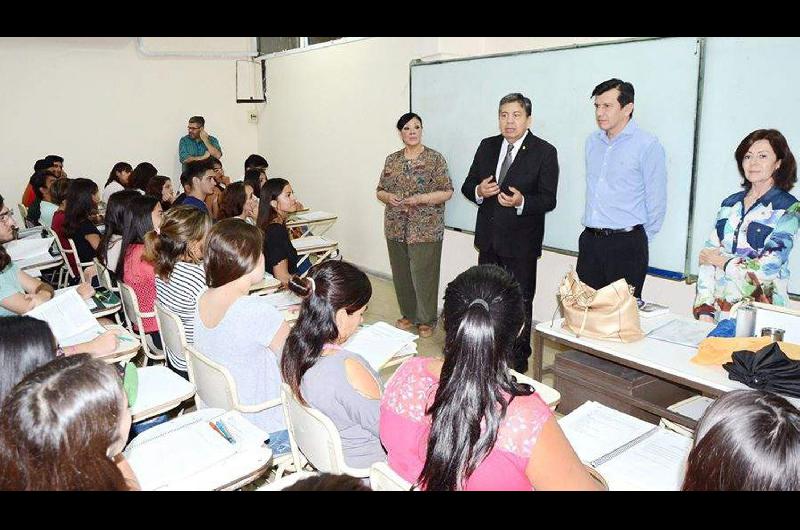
<point x="97" y="101"/>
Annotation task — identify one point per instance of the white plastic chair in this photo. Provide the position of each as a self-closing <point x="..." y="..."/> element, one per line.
<point x="104" y="278"/>
<point x="217" y="388"/>
<point x="313" y="434"/>
<point x="23" y="213"/>
<point x="65" y="272"/>
<point x="384" y="478"/>
<point x="549" y="395"/>
<point x="288" y="480"/>
<point x="81" y="265"/>
<point x="173" y="335"/>
<point x="130" y="304"/>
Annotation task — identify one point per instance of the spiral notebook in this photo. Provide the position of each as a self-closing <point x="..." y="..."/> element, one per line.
<point x="629" y="453"/>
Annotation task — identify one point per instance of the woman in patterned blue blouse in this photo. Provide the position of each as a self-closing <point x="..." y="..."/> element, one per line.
<point x="747" y="254"/>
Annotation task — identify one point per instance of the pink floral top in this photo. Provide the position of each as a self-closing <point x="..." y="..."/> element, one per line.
<point x="404" y="431"/>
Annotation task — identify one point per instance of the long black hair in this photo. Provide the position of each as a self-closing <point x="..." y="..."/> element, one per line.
<point x="113" y="177"/>
<point x="138" y="221"/>
<point x="269" y="192"/>
<point x="26" y="343"/>
<point x="80" y="204"/>
<point x="141" y="175"/>
<point x="336" y="285"/>
<point x="117" y="205"/>
<point x="483" y="314"/>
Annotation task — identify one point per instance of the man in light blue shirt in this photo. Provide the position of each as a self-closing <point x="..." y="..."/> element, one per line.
<point x="626" y="192"/>
<point x="198" y="144"/>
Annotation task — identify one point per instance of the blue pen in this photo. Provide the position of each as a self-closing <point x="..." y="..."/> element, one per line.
<point x="225" y="431"/>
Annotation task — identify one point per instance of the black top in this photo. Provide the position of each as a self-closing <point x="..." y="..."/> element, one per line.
<point x="85" y="251"/>
<point x="278" y="247"/>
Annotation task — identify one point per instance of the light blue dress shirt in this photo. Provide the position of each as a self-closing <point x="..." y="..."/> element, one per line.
<point x="626" y="180"/>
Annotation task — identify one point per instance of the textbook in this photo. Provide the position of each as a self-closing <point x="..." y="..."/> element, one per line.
<point x="630" y="454"/>
<point x="379" y="342"/>
<point x="69" y="318"/>
<point x="23" y="249"/>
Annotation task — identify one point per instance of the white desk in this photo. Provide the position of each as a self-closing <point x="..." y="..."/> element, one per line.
<point x="320" y="222"/>
<point x="127" y="348"/>
<point x="317" y="246"/>
<point x="160" y="389"/>
<point x="227" y="473"/>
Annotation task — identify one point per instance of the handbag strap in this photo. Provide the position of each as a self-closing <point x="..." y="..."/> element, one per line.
<point x="583" y="324"/>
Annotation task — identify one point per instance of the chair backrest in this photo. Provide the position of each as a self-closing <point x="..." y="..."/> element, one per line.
<point x="173" y="336"/>
<point x="549" y="395"/>
<point x="103" y="276"/>
<point x="65" y="253"/>
<point x="214" y="383"/>
<point x="130" y="305"/>
<point x="80" y="264"/>
<point x="23" y="213"/>
<point x="316" y="436"/>
<point x="384" y="478"/>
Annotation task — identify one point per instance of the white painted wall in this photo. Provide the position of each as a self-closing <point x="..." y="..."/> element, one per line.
<point x="96" y="101"/>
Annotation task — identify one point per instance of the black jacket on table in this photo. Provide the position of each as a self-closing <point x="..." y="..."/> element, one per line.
<point x="534" y="173"/>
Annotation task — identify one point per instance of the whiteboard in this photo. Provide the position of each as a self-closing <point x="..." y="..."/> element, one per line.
<point x="749" y="83"/>
<point x="458" y="102"/>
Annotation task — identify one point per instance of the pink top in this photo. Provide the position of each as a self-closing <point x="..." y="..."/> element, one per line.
<point x="405" y="428"/>
<point x="139" y="274"/>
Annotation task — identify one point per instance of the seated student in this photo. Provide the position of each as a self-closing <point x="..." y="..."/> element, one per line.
<point x="238" y="201"/>
<point x="142" y="216"/>
<point x="118" y="179"/>
<point x="58" y="195"/>
<point x="241" y="332"/>
<point x="64" y="427"/>
<point x="256" y="178"/>
<point x="27" y="343"/>
<point x="111" y="242"/>
<point x="198" y="181"/>
<point x="340" y="384"/>
<point x="177" y="254"/>
<point x="160" y="187"/>
<point x="80" y="214"/>
<point x="51" y="163"/>
<point x="141" y="175"/>
<point x="277" y="202"/>
<point x="220" y="183"/>
<point x="747" y="440"/>
<point x="257" y="162"/>
<point x="464" y="423"/>
<point x="42" y="209"/>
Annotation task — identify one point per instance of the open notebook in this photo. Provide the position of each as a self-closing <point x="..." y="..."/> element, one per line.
<point x="69" y="317"/>
<point x="169" y="455"/>
<point x="629" y="453"/>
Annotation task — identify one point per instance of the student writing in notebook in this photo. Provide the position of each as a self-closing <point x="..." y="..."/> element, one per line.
<point x="747" y="440"/>
<point x="321" y="373"/>
<point x="276" y="203"/>
<point x="176" y="252"/>
<point x="64" y="427"/>
<point x="464" y="423"/>
<point x="243" y="333"/>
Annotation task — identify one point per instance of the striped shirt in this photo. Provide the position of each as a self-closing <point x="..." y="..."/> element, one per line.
<point x="179" y="295"/>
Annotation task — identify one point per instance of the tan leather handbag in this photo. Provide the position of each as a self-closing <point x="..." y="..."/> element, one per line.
<point x="609" y="313"/>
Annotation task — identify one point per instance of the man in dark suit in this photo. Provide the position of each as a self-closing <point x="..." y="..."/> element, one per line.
<point x="513" y="179"/>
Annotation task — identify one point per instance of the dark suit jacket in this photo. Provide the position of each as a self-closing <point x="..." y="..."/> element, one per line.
<point x="534" y="173"/>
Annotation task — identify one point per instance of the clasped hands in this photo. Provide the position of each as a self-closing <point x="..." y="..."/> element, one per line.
<point x="713" y="256"/>
<point x="408" y="202"/>
<point x="489" y="188"/>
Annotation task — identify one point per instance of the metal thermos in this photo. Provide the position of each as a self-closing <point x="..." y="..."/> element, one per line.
<point x="775" y="333"/>
<point x="745" y="321"/>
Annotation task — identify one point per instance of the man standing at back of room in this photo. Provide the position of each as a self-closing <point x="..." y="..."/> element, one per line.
<point x="513" y="180"/>
<point x="197" y="144"/>
<point x="626" y="192"/>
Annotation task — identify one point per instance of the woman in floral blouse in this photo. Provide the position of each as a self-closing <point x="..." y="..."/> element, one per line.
<point x="414" y="185"/>
<point x="747" y="255"/>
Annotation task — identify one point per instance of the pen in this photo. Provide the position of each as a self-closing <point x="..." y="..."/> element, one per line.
<point x="225" y="431"/>
<point x="211" y="423"/>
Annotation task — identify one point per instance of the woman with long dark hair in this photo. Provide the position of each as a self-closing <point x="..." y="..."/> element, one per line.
<point x="243" y="333"/>
<point x="111" y="242"/>
<point x="160" y="187"/>
<point x="141" y="175"/>
<point x="64" y="427"/>
<point x="82" y="199"/>
<point x="142" y="216"/>
<point x="322" y="374"/>
<point x="238" y="201"/>
<point x="747" y="440"/>
<point x="464" y="423"/>
<point x="276" y="203"/>
<point x="119" y="178"/>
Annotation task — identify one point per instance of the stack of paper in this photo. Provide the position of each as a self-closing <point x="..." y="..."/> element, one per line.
<point x="379" y="342"/>
<point x="630" y="453"/>
<point x="682" y="331"/>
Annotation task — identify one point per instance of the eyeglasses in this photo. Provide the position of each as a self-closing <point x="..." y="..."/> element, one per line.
<point x="7" y="215"/>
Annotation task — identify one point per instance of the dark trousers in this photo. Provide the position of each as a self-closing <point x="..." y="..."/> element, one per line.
<point x="524" y="271"/>
<point x="604" y="259"/>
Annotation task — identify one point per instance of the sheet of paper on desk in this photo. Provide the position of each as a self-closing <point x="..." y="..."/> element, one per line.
<point x="378" y="343"/>
<point x="21" y="249"/>
<point x="684" y="332"/>
<point x="282" y="299"/>
<point x="70" y="320"/>
<point x="595" y="430"/>
<point x="657" y="463"/>
<point x="90" y="303"/>
<point x="174" y="455"/>
<point x="314" y="216"/>
<point x="243" y="431"/>
<point x="39" y="259"/>
<point x="304" y="243"/>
